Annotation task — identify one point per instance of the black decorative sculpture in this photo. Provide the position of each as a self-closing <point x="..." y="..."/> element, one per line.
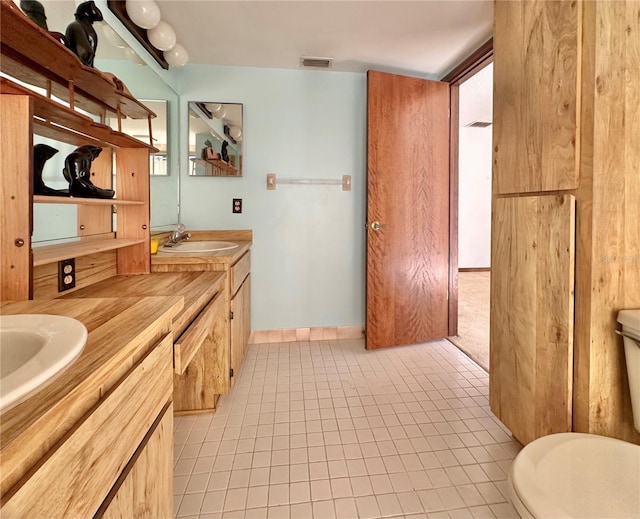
<point x="77" y="171"/>
<point x="81" y="36"/>
<point x="35" y="12"/>
<point x="41" y="154"/>
<point x="223" y="152"/>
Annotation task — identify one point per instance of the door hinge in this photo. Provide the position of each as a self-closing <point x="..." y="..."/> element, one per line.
<point x="231" y="373"/>
<point x="230" y="315"/>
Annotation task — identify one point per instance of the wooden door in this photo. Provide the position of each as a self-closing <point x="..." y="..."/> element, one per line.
<point x="407" y="210"/>
<point x="532" y="283"/>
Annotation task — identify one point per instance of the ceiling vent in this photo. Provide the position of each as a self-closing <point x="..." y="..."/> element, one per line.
<point x="315" y="62"/>
<point x="479" y="124"/>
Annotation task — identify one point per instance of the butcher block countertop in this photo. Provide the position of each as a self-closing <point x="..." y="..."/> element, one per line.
<point x="121" y="332"/>
<point x="196" y="288"/>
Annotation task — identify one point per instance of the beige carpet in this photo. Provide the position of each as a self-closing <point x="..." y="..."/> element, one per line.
<point x="473" y="316"/>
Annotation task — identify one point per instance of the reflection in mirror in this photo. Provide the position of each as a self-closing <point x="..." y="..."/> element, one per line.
<point x="215" y="139"/>
<point x="114" y="55"/>
<point x="139" y="128"/>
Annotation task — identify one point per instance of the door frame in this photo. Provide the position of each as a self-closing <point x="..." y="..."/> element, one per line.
<point x="470" y="66"/>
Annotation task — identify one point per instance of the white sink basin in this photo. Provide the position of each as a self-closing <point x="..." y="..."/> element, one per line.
<point x="33" y="350"/>
<point x="200" y="246"/>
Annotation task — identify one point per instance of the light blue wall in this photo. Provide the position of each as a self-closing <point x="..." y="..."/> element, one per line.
<point x="308" y="256"/>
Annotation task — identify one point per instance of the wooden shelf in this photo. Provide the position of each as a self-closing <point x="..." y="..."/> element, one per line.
<point x="53" y="253"/>
<point x="220" y="165"/>
<point x="42" y="199"/>
<point x="57" y="122"/>
<point x="32" y="55"/>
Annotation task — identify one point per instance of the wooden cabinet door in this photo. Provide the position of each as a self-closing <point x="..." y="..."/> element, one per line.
<point x="240" y="325"/>
<point x="535" y="75"/>
<point x="145" y="488"/>
<point x="207" y="374"/>
<point x="532" y="303"/>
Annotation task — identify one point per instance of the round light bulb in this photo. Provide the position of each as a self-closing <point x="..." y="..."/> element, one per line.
<point x="219" y="112"/>
<point x="177" y="57"/>
<point x="236" y="133"/>
<point x="162" y="36"/>
<point x="144" y="13"/>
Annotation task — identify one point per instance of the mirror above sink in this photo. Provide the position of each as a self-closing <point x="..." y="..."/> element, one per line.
<point x="215" y="139"/>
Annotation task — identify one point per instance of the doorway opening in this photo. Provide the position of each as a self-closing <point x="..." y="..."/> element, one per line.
<point x="471" y="156"/>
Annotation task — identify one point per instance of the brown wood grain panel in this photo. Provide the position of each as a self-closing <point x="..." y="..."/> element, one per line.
<point x="247" y="311"/>
<point x="15" y="192"/>
<point x="89" y="270"/>
<point x="239" y="271"/>
<point x="98" y="447"/>
<point x="408" y="192"/>
<point x="188" y="344"/>
<point x="536" y="111"/>
<point x="531" y="329"/>
<point x="207" y="375"/>
<point x="32" y="55"/>
<point x="145" y="488"/>
<point x="584" y="227"/>
<point x="615" y="218"/>
<point x="121" y="332"/>
<point x="196" y="289"/>
<point x="132" y="183"/>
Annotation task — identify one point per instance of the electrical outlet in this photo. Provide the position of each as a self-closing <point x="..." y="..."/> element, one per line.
<point x="237" y="205"/>
<point x="66" y="274"/>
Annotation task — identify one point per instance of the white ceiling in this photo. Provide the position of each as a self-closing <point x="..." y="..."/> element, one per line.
<point x="425" y="38"/>
<point x="422" y="37"/>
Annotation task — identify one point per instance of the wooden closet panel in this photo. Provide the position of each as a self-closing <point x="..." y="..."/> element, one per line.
<point x="615" y="268"/>
<point x="532" y="254"/>
<point x="536" y="48"/>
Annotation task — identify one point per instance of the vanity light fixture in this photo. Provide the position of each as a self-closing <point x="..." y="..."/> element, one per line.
<point x="143" y="19"/>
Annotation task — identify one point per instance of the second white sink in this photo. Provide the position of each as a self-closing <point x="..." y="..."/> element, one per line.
<point x="34" y="349"/>
<point x="200" y="246"/>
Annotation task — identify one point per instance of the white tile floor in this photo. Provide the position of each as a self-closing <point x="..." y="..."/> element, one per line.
<point x="327" y="429"/>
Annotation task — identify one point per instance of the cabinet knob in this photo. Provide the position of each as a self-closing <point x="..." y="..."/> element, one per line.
<point x="19" y="242"/>
<point x="144" y="226"/>
<point x="82" y="227"/>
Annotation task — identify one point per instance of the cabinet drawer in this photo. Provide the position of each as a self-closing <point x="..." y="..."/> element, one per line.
<point x="78" y="473"/>
<point x="188" y="344"/>
<point x="239" y="271"/>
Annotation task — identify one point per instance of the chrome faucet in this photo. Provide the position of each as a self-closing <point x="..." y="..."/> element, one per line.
<point x="177" y="236"/>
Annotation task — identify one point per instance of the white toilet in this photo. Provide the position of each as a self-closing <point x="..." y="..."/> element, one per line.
<point x="575" y="475"/>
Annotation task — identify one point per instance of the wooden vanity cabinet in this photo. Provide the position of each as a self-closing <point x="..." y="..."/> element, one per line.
<point x="198" y="382"/>
<point x="201" y="360"/>
<point x="237" y="266"/>
<point x="99" y="439"/>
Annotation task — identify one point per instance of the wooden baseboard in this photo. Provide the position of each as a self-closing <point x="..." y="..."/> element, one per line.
<point x="306" y="334"/>
<point x="475" y="269"/>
